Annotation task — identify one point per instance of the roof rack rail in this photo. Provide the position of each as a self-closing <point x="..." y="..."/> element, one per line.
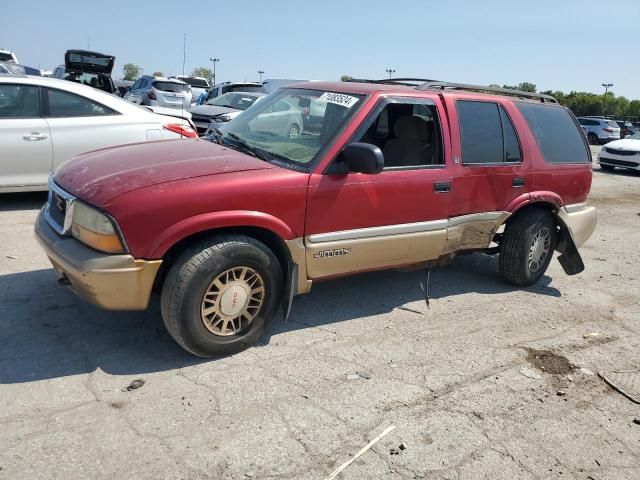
<point x="437" y="85"/>
<point x="409" y="82"/>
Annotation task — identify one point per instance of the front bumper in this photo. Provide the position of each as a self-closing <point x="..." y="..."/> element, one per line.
<point x="622" y="161"/>
<point x="112" y="282"/>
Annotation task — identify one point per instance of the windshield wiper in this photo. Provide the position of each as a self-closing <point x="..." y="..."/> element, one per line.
<point x="244" y="146"/>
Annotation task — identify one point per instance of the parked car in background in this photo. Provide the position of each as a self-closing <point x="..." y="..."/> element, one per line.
<point x="44" y="122"/>
<point x="199" y="85"/>
<point x="600" y="130"/>
<point x="220" y="110"/>
<point x="123" y="86"/>
<point x="226" y="87"/>
<point x="88" y="68"/>
<point x="17" y="69"/>
<point x="160" y="92"/>
<point x="229" y="232"/>
<point x="8" y="56"/>
<point x="272" y="84"/>
<point x="626" y="128"/>
<point x="621" y="153"/>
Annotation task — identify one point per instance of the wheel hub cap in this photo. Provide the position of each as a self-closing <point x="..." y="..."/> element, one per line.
<point x="539" y="249"/>
<point x="232" y="301"/>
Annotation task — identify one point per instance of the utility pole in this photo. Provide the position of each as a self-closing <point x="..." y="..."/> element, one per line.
<point x="606" y="86"/>
<point x="214" y="61"/>
<point x="390" y="71"/>
<point x="260" y="72"/>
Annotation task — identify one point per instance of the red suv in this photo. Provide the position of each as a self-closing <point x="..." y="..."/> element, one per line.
<point x="391" y="174"/>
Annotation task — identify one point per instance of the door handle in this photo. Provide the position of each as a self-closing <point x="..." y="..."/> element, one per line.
<point x="442" y="187"/>
<point x="35" y="136"/>
<point x="517" y="182"/>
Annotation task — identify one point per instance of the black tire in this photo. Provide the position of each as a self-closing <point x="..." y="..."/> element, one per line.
<point x="593" y="138"/>
<point x="190" y="277"/>
<point x="607" y="168"/>
<point x="517" y="242"/>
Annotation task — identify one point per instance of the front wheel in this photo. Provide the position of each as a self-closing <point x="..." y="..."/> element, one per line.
<point x="593" y="139"/>
<point x="527" y="247"/>
<point x="219" y="295"/>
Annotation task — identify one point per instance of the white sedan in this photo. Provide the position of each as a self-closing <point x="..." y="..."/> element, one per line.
<point x="623" y="153"/>
<point x="44" y="122"/>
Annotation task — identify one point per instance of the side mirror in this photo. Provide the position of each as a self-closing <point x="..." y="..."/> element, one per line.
<point x="362" y="158"/>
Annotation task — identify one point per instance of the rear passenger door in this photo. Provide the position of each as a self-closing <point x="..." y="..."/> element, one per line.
<point x="490" y="167"/>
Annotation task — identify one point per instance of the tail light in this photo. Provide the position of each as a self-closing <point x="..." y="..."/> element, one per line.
<point x="183" y="130"/>
<point x="152" y="96"/>
<point x="610" y="130"/>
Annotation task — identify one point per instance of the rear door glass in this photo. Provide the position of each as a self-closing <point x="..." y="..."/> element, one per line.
<point x="171" y="87"/>
<point x="65" y="104"/>
<point x="480" y="131"/>
<point x="559" y="138"/>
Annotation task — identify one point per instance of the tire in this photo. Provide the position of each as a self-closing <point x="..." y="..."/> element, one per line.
<point x="293" y="131"/>
<point x="593" y="138"/>
<point x="518" y="249"/>
<point x="241" y="265"/>
<point x="607" y="168"/>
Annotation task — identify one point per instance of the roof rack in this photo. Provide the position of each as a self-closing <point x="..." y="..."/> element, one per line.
<point x="409" y="82"/>
<point x="437" y="85"/>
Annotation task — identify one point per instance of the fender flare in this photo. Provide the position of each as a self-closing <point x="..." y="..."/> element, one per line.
<point x="213" y="220"/>
<point x="532" y="198"/>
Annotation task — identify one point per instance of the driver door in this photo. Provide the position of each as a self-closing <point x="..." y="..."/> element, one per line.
<point x="357" y="222"/>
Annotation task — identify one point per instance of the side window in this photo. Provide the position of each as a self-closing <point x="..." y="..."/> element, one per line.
<point x="19" y="101"/>
<point x="481" y="132"/>
<point x="407" y="133"/>
<point x="512" y="151"/>
<point x="281" y="107"/>
<point x="556" y="133"/>
<point x="65" y="104"/>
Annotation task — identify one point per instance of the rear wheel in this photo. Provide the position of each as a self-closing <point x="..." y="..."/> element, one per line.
<point x="527" y="247"/>
<point x="593" y="138"/>
<point x="219" y="295"/>
<point x="607" y="168"/>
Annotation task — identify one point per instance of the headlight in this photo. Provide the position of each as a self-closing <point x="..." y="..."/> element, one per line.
<point x="95" y="229"/>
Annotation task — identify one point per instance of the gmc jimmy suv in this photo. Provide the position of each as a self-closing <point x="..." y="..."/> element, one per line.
<point x="397" y="173"/>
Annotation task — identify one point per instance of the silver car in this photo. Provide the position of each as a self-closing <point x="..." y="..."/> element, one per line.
<point x="220" y="110"/>
<point x="600" y="130"/>
<point x="160" y="92"/>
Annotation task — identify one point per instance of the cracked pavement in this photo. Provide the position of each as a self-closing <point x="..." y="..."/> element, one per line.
<point x="300" y="404"/>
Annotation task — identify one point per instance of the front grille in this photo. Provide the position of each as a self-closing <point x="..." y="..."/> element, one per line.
<point x="625" y="153"/>
<point x="200" y="118"/>
<point x="620" y="163"/>
<point x="59" y="209"/>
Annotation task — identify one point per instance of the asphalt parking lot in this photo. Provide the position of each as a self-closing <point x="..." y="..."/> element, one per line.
<point x="357" y="356"/>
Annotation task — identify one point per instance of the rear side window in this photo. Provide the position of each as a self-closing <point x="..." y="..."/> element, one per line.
<point x="19" y="101"/>
<point x="488" y="136"/>
<point x="559" y="138"/>
<point x="65" y="104"/>
<point x="171" y="87"/>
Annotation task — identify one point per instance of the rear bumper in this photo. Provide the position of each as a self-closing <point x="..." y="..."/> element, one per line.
<point x="580" y="220"/>
<point x="112" y="282"/>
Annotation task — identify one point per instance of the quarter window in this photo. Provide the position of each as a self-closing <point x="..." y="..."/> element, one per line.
<point x="19" y="101"/>
<point x="65" y="104"/>
<point x="511" y="145"/>
<point x="556" y="133"/>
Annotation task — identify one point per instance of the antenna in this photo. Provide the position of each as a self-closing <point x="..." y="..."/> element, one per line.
<point x="184" y="59"/>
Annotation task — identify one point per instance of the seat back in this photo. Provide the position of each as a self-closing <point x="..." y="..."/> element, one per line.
<point x="412" y="145"/>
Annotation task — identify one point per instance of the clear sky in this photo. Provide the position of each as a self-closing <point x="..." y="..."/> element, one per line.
<point x="556" y="44"/>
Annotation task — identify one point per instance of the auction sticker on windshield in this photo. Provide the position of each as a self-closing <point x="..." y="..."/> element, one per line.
<point x="338" y="98"/>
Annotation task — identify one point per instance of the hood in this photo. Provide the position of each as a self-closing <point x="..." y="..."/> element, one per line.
<point x="625" y="144"/>
<point x="211" y="110"/>
<point x="87" y="61"/>
<point x="99" y="176"/>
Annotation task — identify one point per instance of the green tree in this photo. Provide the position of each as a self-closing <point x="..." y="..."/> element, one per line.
<point x="203" y="72"/>
<point x="131" y="71"/>
<point x="345" y="78"/>
<point x="523" y="86"/>
<point x="158" y="74"/>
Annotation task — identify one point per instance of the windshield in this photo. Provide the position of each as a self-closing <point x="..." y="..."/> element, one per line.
<point x="171" y="87"/>
<point x="635" y="136"/>
<point x="291" y="126"/>
<point x="239" y="101"/>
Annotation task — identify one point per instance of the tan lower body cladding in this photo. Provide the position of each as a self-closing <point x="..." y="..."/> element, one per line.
<point x="339" y="253"/>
